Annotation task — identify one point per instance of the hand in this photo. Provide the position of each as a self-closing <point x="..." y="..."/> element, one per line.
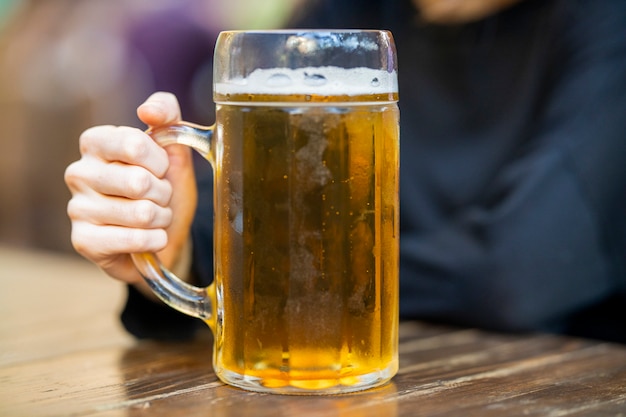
<point x="130" y="194"/>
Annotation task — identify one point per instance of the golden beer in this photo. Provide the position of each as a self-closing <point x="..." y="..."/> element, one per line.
<point x="306" y="233"/>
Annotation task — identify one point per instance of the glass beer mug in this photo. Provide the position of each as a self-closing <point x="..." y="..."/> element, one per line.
<point x="305" y="155"/>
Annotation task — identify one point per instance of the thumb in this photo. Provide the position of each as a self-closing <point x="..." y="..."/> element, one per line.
<point x="159" y="109"/>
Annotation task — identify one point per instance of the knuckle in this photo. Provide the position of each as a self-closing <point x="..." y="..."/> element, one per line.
<point x="144" y="213"/>
<point x="166" y="193"/>
<point x="139" y="183"/>
<point x="74" y="209"/>
<point x="80" y="241"/>
<point x="85" y="139"/>
<point x="136" y="147"/>
<point x="71" y="175"/>
<point x="89" y="137"/>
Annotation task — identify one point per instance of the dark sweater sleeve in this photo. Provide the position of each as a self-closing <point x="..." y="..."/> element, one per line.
<point x="146" y="319"/>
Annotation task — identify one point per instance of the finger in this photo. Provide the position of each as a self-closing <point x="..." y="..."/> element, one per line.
<point x="103" y="243"/>
<point x="124" y="144"/>
<point x="121" y="267"/>
<point x="115" y="211"/>
<point x="159" y="109"/>
<point x="117" y="180"/>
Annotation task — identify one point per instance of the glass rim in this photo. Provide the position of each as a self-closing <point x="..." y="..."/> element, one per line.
<point x="297" y="30"/>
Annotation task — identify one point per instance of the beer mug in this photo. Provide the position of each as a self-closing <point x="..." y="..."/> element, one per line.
<point x="305" y="153"/>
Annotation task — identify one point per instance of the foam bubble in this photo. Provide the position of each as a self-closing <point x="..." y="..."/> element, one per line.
<point x="321" y="81"/>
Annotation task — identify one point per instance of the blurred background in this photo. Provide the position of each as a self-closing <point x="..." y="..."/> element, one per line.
<point x="66" y="65"/>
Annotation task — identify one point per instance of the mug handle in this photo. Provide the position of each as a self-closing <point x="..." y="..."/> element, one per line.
<point x="186" y="298"/>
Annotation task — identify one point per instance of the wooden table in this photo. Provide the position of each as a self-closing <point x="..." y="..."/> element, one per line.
<point x="63" y="353"/>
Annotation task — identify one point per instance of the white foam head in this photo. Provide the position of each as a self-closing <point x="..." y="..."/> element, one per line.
<point x="319" y="81"/>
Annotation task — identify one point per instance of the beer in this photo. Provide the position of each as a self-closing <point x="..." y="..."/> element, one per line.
<point x="306" y="232"/>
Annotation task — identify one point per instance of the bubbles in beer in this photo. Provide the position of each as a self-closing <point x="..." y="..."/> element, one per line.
<point x="314" y="79"/>
<point x="278" y="80"/>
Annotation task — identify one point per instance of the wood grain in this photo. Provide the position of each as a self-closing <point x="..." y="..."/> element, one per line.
<point x="63" y="353"/>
